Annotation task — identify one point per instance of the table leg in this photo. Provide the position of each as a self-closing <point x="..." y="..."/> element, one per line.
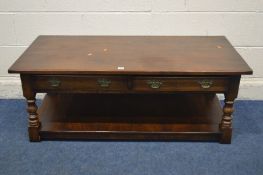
<point x="228" y="109"/>
<point x="33" y="119"/>
<point x="226" y="123"/>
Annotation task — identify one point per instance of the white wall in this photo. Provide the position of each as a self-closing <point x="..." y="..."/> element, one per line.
<point x="241" y="21"/>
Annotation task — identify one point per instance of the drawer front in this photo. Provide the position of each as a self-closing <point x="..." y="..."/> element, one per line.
<point x="79" y="83"/>
<point x="170" y="84"/>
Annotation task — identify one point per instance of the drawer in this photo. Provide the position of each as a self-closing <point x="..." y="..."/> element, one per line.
<point x="79" y="83"/>
<point x="170" y="84"/>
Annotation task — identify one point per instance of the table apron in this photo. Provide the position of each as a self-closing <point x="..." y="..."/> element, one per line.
<point x="128" y="84"/>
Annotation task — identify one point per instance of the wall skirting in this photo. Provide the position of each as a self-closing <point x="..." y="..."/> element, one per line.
<point x="250" y="88"/>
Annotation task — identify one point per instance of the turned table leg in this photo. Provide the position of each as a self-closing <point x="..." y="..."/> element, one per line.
<point x="228" y="109"/>
<point x="33" y="119"/>
<point x="226" y="123"/>
<point x="34" y="124"/>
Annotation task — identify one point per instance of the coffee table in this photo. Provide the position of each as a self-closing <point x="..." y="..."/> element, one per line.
<point x="130" y="87"/>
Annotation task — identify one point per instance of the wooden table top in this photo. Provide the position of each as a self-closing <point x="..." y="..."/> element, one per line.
<point x="142" y="55"/>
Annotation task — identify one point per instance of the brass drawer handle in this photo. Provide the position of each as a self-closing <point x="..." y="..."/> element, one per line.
<point x="54" y="83"/>
<point x="154" y="84"/>
<point x="104" y="82"/>
<point x="205" y="84"/>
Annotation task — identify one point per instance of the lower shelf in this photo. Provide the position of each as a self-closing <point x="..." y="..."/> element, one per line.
<point x="130" y="116"/>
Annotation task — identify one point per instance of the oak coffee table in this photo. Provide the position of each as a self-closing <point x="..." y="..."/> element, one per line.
<point x="130" y="87"/>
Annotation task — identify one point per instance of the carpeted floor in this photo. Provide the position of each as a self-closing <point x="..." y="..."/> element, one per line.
<point x="243" y="157"/>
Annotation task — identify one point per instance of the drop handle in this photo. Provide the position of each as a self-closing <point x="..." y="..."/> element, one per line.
<point x="205" y="84"/>
<point x="54" y="83"/>
<point x="104" y="82"/>
<point x="154" y="84"/>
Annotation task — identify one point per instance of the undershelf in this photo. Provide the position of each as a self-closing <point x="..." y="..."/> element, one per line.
<point x="130" y="116"/>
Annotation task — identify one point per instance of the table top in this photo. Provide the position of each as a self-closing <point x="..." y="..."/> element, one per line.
<point x="142" y="55"/>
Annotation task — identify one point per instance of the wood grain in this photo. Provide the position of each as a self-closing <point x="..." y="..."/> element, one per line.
<point x="155" y="55"/>
<point x="131" y="87"/>
<point x="130" y="116"/>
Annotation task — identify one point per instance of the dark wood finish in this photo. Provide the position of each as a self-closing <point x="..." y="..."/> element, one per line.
<point x="74" y="83"/>
<point x="130" y="87"/>
<point x="184" y="84"/>
<point x="131" y="116"/>
<point x="33" y="119"/>
<point x="145" y="55"/>
<point x="71" y="83"/>
<point x="228" y="109"/>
